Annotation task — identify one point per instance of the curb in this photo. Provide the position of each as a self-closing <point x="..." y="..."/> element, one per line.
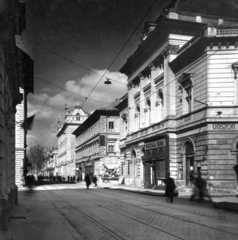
<point x="227" y="206"/>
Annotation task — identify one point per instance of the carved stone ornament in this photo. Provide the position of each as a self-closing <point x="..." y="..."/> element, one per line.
<point x="131" y="85"/>
<point x="235" y="68"/>
<point x="170" y="49"/>
<point x="157" y="103"/>
<point x="124" y="117"/>
<point x="141" y="76"/>
<point x="152" y="66"/>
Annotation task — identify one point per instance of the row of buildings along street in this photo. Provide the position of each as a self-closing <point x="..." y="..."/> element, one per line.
<point x="179" y="114"/>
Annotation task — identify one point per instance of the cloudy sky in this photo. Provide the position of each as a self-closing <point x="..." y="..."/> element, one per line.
<point x="73" y="43"/>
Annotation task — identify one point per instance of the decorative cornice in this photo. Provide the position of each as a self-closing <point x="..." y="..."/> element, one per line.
<point x="137" y="95"/>
<point x="159" y="78"/>
<point x="141" y="76"/>
<point x="147" y="87"/>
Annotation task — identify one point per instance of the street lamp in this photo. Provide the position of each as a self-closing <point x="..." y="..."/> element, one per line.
<point x="107" y="81"/>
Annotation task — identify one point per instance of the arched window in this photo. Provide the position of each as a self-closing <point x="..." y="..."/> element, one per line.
<point x="77" y="117"/>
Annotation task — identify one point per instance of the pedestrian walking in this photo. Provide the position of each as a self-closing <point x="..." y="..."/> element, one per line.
<point x="169" y="189"/>
<point x="95" y="180"/>
<point x="87" y="180"/>
<point x="201" y="185"/>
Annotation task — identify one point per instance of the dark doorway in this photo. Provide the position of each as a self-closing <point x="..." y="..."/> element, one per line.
<point x="189" y="170"/>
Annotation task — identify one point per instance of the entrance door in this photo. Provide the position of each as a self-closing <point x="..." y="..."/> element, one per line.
<point x="152" y="174"/>
<point x="189" y="170"/>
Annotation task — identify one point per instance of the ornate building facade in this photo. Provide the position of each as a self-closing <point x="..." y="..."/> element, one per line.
<point x="181" y="112"/>
<point x="66" y="140"/>
<point x="97" y="143"/>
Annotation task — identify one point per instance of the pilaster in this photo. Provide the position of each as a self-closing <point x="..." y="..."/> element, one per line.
<point x="131" y="107"/>
<point x="153" y="94"/>
<point x="142" y="100"/>
<point x="169" y="80"/>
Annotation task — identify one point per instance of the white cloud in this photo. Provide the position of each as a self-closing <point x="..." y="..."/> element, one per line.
<point x="48" y="108"/>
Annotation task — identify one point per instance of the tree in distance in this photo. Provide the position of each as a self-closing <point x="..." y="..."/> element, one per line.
<point x="37" y="154"/>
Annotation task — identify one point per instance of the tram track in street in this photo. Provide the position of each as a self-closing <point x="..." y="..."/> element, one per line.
<point x="154" y="211"/>
<point x="100" y="225"/>
<point x="220" y="218"/>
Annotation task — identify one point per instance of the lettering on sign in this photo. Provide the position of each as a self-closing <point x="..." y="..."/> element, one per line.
<point x="223" y="126"/>
<point x="156" y="144"/>
<point x="214" y="147"/>
<point x="222" y="142"/>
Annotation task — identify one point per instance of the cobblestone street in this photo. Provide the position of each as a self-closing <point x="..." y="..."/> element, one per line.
<point x="72" y="212"/>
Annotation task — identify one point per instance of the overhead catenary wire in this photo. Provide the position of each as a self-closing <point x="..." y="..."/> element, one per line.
<point x="40" y="113"/>
<point x="121" y="50"/>
<point x="65" y="58"/>
<point x="172" y="81"/>
<point x="68" y="90"/>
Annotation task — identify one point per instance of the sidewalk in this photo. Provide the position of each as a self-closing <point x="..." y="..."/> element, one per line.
<point x="32" y="216"/>
<point x="222" y="200"/>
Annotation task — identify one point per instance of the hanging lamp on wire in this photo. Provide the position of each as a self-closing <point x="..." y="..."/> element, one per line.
<point x="107" y="81"/>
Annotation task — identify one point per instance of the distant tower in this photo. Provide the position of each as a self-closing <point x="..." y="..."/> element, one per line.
<point x="59" y="125"/>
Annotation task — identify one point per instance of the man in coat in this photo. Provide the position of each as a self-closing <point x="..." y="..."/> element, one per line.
<point x="87" y="180"/>
<point x="170" y="187"/>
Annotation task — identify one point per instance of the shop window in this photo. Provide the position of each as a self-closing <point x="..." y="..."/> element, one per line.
<point x="111" y="126"/>
<point x="111" y="147"/>
<point x="160" y="169"/>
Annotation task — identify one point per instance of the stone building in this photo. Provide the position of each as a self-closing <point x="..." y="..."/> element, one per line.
<point x="181" y="109"/>
<point x="16" y="72"/>
<point x="97" y="143"/>
<point x="66" y="140"/>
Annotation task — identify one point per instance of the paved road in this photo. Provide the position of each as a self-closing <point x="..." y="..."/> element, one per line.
<point x="73" y="212"/>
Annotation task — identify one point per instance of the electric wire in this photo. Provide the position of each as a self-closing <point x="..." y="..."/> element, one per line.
<point x="175" y="80"/>
<point x="68" y="90"/>
<point x="121" y="49"/>
<point x="65" y="58"/>
<point x="40" y="113"/>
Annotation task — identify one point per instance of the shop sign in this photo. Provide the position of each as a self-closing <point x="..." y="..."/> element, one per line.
<point x="223" y="126"/>
<point x="159" y="143"/>
<point x="222" y="141"/>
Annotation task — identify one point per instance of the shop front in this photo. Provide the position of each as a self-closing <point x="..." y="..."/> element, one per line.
<point x="156" y="163"/>
<point x="79" y="171"/>
<point x="89" y="168"/>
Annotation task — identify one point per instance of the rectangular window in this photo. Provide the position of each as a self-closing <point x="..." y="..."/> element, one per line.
<point x="111" y="147"/>
<point x="111" y="126"/>
<point x="189" y="99"/>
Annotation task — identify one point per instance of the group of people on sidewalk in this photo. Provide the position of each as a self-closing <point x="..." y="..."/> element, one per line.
<point x="198" y="189"/>
<point x="89" y="180"/>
